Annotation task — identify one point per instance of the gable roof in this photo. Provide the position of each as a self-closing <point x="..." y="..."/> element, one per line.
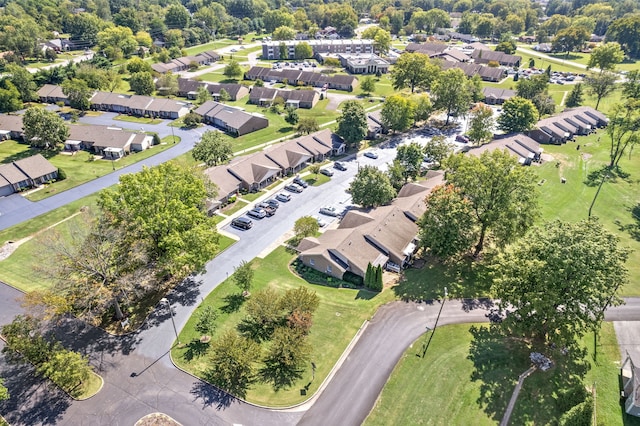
<point x="288" y="155"/>
<point x="12" y="123"/>
<point x="254" y="169"/>
<point x="226" y="182"/>
<point x="35" y="166"/>
<point x="498" y="93"/>
<point x="12" y="174"/>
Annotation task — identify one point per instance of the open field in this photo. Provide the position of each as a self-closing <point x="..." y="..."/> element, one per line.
<point x="340" y="314"/>
<point x="468" y="374"/>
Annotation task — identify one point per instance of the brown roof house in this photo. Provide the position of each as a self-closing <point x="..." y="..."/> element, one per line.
<point x="26" y="173"/>
<point x="51" y="94"/>
<point x="383" y="236"/>
<point x="11" y="127"/>
<point x="485" y="56"/>
<point x="290" y="156"/>
<point x="231" y="119"/>
<point x="255" y="171"/>
<point x="226" y="183"/>
<point x="110" y="142"/>
<point x="522" y="146"/>
<point x="496" y="95"/>
<point x="564" y="126"/>
<point x="264" y="96"/>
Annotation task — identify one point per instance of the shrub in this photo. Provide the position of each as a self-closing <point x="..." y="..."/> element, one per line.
<point x="580" y="415"/>
<point x="62" y="175"/>
<point x="352" y="278"/>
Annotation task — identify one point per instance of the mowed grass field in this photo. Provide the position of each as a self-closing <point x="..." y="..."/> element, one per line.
<point x="468" y="375"/>
<point x="340" y="314"/>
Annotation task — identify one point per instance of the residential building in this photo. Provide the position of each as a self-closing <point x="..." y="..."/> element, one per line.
<point x="559" y="128"/>
<point x="482" y="56"/>
<point x="430" y="49"/>
<point x="363" y="63"/>
<point x="26" y="173"/>
<point x="111" y="143"/>
<point x="232" y="120"/>
<point x="265" y="96"/>
<point x="493" y="74"/>
<point x="374" y="125"/>
<point x="139" y="105"/>
<point x="273" y="50"/>
<point x="11" y="127"/>
<point x="384" y="236"/>
<point x="183" y="63"/>
<point x="305" y="78"/>
<point x="496" y="95"/>
<point x="52" y="94"/>
<point x="189" y="89"/>
<point x="523" y="147"/>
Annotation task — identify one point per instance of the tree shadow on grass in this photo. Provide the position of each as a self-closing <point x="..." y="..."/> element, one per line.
<point x="632" y="228"/>
<point x="464" y="278"/>
<point x="279" y="376"/>
<point x="364" y="294"/>
<point x="212" y="396"/>
<point x="612" y="175"/>
<point x="195" y="349"/>
<point x="498" y="361"/>
<point x="233" y="303"/>
<point x="286" y="129"/>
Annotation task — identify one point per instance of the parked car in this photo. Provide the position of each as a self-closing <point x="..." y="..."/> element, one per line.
<point x="283" y="197"/>
<point x="267" y="208"/>
<point x="330" y="211"/>
<point x="292" y="187"/>
<point x="462" y="138"/>
<point x="371" y="154"/>
<point x="299" y="181"/>
<point x="273" y="203"/>
<point x="257" y="213"/>
<point x="321" y="222"/>
<point x="327" y="172"/>
<point x="242" y="222"/>
<point x="338" y="165"/>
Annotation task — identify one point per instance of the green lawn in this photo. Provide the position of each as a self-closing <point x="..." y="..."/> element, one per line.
<point x="234" y="208"/>
<point x="317" y="180"/>
<point x="90" y="387"/>
<point x="77" y="166"/>
<point x="139" y="120"/>
<point x="468" y="375"/>
<point x="252" y="196"/>
<point x="542" y="62"/>
<point x="339" y="316"/>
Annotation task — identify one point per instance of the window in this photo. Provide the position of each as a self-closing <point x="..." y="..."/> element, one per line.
<point x="312" y="262"/>
<point x="329" y="269"/>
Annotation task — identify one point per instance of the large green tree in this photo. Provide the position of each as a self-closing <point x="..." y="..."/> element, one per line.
<point x="164" y="208"/>
<point x="626" y="31"/>
<point x="44" y="129"/>
<point x="142" y="83"/>
<point x="371" y="187"/>
<point x="286" y="357"/>
<point x="502" y="194"/>
<point x="306" y="226"/>
<point x="243" y="276"/>
<point x="600" y="85"/>
<point x="570" y="39"/>
<point x="413" y="70"/>
<point x="232" y="70"/>
<point x="9" y="96"/>
<point x="518" y="115"/>
<point x="557" y="282"/>
<point x="451" y="93"/>
<point x="4" y="392"/>
<point x="410" y="158"/>
<point x="623" y="128"/>
<point x="481" y="124"/>
<point x="232" y="363"/>
<point x="352" y="123"/>
<point x="437" y="149"/>
<point x="606" y="56"/>
<point x="213" y="148"/>
<point x="78" y="93"/>
<point x="23" y="81"/>
<point x="397" y="113"/>
<point x="447" y="227"/>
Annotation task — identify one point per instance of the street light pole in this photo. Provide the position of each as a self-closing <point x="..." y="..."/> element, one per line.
<point x="165" y="300"/>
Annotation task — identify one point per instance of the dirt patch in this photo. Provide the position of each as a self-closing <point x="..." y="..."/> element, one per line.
<point x="157" y="419"/>
<point x="11" y="246"/>
<point x="586" y="156"/>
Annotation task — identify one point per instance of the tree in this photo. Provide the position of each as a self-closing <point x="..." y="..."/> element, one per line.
<point x="4" y="392"/>
<point x="570" y="39"/>
<point x="447" y="227"/>
<point x="397" y="113"/>
<point x="299" y="299"/>
<point x="163" y="208"/>
<point x="307" y="125"/>
<point x="437" y="149"/>
<point x="44" y="129"/>
<point x="167" y="84"/>
<point x="22" y="79"/>
<point x="352" y="123"/>
<point x="631" y="86"/>
<point x="9" y="96"/>
<point x="414" y="70"/>
<point x="177" y="16"/>
<point x="232" y="360"/>
<point x="291" y="115"/>
<point x="475" y="88"/>
<point x="624" y="123"/>
<point x="303" y="51"/>
<point x="481" y="124"/>
<point x="277" y="18"/>
<point x="451" y="93"/>
<point x="422" y="108"/>
<point x="224" y="96"/>
<point x="306" y="226"/>
<point x="285" y="359"/>
<point x="606" y="56"/>
<point x="544" y="104"/>
<point x="136" y="64"/>
<point x="502" y="194"/>
<point x="203" y="95"/>
<point x="382" y="42"/>
<point x="284" y="33"/>
<point x="626" y="31"/>
<point x="575" y="96"/>
<point x="532" y="87"/>
<point x="573" y="272"/>
<point x="396" y="173"/>
<point x="233" y="70"/>
<point x="518" y="115"/>
<point x="117" y="41"/>
<point x="67" y="369"/>
<point x="243" y="276"/>
<point x="264" y="314"/>
<point x="214" y="148"/>
<point x="410" y="157"/>
<point x="191" y="120"/>
<point x="142" y="83"/>
<point x="507" y="46"/>
<point x="371" y="187"/>
<point x="600" y="85"/>
<point x="368" y="85"/>
<point x="78" y="93"/>
<point x="206" y="323"/>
